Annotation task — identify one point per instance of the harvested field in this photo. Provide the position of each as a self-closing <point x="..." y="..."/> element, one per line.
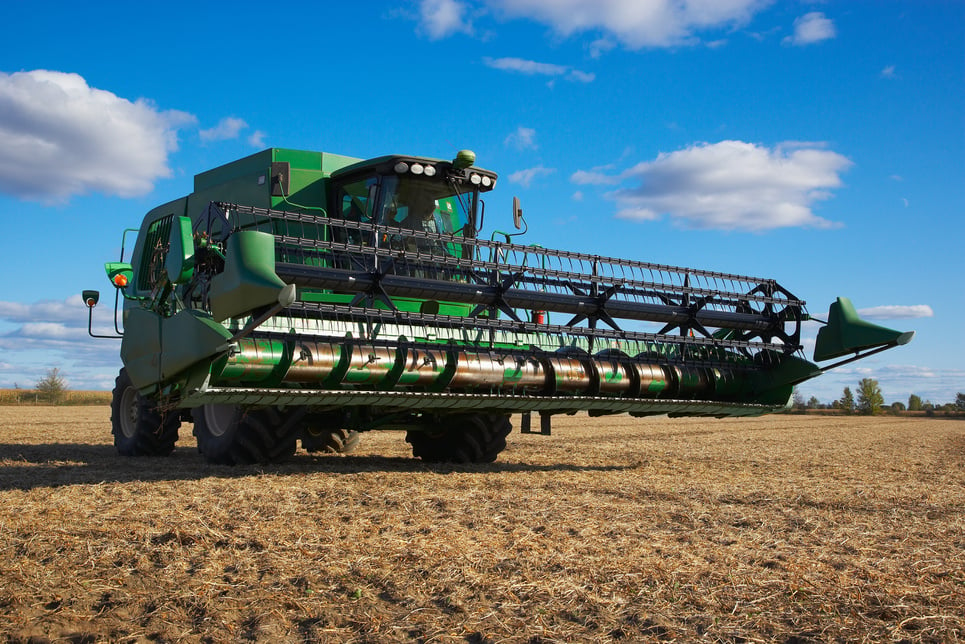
<point x="784" y="528"/>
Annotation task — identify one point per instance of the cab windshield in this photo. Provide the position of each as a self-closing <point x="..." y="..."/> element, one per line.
<point x="422" y="204"/>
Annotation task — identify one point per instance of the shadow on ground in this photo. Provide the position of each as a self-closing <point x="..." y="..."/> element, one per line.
<point x="25" y="467"/>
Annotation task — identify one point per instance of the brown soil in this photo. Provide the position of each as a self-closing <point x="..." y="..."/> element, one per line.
<point x="785" y="528"/>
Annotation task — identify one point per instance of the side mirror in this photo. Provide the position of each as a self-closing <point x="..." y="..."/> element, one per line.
<point x="517" y="214"/>
<point x="91" y="298"/>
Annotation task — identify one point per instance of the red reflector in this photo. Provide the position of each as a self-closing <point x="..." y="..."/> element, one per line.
<point x="120" y="280"/>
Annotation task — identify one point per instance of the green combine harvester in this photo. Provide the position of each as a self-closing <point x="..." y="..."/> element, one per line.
<point x="306" y="296"/>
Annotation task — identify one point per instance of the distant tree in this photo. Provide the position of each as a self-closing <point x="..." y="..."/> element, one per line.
<point x="870" y="399"/>
<point x="914" y="402"/>
<point x="52" y="386"/>
<point x="897" y="406"/>
<point x="797" y="400"/>
<point x="960" y="401"/>
<point x="847" y="401"/>
<point x="835" y="404"/>
<point x="813" y="402"/>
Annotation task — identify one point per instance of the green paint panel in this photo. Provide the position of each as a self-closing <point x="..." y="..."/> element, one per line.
<point x="847" y="333"/>
<point x="187" y="338"/>
<point x="249" y="280"/>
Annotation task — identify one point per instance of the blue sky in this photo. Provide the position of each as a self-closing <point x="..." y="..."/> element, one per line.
<point x="818" y="143"/>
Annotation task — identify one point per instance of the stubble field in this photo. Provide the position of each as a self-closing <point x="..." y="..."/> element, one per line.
<point x="784" y="528"/>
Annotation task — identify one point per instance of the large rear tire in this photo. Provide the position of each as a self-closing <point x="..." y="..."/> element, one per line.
<point x="237" y="435"/>
<point x="463" y="438"/>
<point x="139" y="428"/>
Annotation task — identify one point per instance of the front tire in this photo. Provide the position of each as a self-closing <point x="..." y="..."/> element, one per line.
<point x="237" y="435"/>
<point x="139" y="428"/>
<point x="463" y="438"/>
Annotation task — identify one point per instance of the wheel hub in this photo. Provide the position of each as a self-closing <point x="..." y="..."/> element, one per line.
<point x="129" y="412"/>
<point x="219" y="418"/>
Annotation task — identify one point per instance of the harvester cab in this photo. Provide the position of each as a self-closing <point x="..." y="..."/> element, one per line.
<point x="308" y="296"/>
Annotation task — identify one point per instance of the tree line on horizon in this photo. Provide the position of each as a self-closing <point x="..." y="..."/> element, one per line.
<point x="869" y="401"/>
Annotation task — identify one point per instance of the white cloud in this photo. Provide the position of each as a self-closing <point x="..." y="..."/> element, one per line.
<point x="49" y="331"/>
<point x="526" y="177"/>
<point x="530" y="67"/>
<point x="70" y="310"/>
<point x="257" y="139"/>
<point x="60" y="137"/>
<point x="52" y="333"/>
<point x="534" y="68"/>
<point x="581" y="77"/>
<point x="593" y="178"/>
<point x="601" y="46"/>
<point x="522" y="139"/>
<point x="443" y="18"/>
<point x="896" y="312"/>
<point x="912" y="371"/>
<point x="888" y="72"/>
<point x="634" y="23"/>
<point x="730" y="185"/>
<point x="811" y="28"/>
<point x="227" y="128"/>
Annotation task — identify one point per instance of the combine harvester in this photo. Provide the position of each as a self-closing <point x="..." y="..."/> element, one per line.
<point x="310" y="296"/>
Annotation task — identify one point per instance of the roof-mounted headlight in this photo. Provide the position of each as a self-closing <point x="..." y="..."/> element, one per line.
<point x="401" y="167"/>
<point x="475" y="179"/>
<point x="417" y="168"/>
<point x="430" y="170"/>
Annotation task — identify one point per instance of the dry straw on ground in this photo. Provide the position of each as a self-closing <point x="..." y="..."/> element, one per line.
<point x="785" y="528"/>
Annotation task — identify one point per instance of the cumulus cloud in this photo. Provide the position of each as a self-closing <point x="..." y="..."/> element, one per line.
<point x="635" y="24"/>
<point x="527" y="176"/>
<point x="443" y="18"/>
<point x="522" y="139"/>
<point x="730" y="185"/>
<point x="60" y="137"/>
<point x="534" y="68"/>
<point x="897" y="312"/>
<point x="811" y="28"/>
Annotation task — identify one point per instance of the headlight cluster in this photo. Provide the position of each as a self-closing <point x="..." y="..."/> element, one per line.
<point x="416" y="168"/>
<point x="429" y="170"/>
<point x="476" y="179"/>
